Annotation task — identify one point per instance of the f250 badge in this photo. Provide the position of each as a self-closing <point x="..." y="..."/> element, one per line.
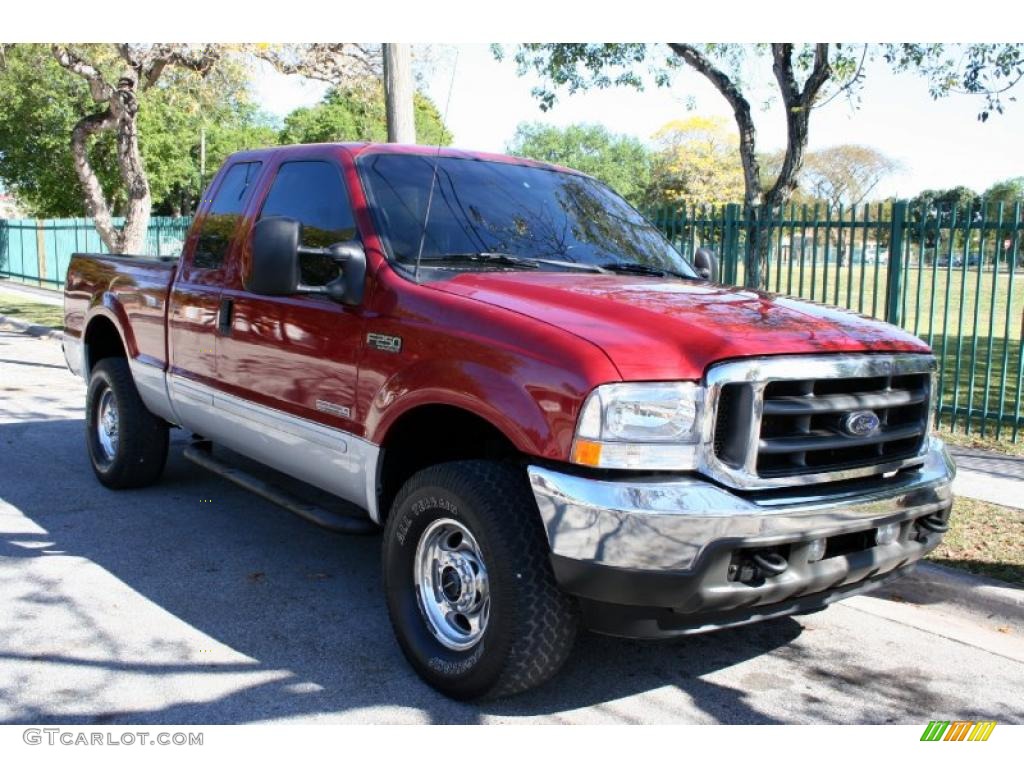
<point x="384" y="343"/>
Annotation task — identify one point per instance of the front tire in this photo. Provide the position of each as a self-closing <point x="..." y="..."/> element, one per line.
<point x="127" y="444"/>
<point x="469" y="586"/>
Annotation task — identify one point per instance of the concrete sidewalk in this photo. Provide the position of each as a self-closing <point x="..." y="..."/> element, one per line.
<point x="33" y="293"/>
<point x="990" y="476"/>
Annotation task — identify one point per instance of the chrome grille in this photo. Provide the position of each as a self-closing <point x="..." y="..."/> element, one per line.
<point x="780" y="421"/>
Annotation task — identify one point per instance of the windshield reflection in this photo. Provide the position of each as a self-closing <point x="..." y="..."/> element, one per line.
<point x="483" y="206"/>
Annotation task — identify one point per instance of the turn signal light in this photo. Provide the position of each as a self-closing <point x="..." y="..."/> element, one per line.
<point x="587" y="453"/>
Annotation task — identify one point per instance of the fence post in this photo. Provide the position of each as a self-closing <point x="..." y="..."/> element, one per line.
<point x="4" y="248"/>
<point x="41" y="250"/>
<point x="894" y="283"/>
<point x="730" y="242"/>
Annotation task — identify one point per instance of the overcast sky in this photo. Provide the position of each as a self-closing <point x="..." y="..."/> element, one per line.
<point x="939" y="143"/>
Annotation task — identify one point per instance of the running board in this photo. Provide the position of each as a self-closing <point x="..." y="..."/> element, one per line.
<point x="199" y="453"/>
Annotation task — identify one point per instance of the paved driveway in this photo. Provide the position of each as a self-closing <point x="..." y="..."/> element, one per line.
<point x="194" y="601"/>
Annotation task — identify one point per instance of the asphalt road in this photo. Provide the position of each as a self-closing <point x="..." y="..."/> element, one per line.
<point x="194" y="601"/>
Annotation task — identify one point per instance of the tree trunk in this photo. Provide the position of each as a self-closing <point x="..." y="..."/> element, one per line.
<point x="120" y="116"/>
<point x="798" y="103"/>
<point x="129" y="160"/>
<point x="95" y="202"/>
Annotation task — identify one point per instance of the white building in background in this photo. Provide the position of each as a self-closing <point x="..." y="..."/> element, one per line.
<point x="9" y="207"/>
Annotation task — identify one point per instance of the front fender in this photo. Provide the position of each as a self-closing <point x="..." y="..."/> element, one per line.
<point x="538" y="419"/>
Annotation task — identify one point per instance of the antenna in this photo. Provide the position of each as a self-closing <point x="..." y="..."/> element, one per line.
<point x="433" y="178"/>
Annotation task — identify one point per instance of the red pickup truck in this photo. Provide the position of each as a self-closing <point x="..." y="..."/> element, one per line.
<point x="557" y="420"/>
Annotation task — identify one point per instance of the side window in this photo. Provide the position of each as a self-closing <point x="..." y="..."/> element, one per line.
<point x="224" y="214"/>
<point x="312" y="193"/>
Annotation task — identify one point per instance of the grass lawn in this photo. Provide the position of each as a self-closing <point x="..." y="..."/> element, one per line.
<point x="987" y="443"/>
<point x="984" y="539"/>
<point x="28" y="311"/>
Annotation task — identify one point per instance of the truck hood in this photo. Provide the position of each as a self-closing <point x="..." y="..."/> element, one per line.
<point x="653" y="328"/>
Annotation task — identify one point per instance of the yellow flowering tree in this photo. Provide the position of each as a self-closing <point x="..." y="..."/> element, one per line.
<point x="697" y="160"/>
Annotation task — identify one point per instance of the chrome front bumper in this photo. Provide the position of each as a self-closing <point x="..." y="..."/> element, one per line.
<point x="659" y="524"/>
<point x="669" y="543"/>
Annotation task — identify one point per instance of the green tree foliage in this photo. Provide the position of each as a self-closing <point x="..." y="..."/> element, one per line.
<point x="807" y="75"/>
<point x="621" y="162"/>
<point x="1008" y="192"/>
<point x="936" y="210"/>
<point x="944" y="200"/>
<point x="174" y="118"/>
<point x="42" y="102"/>
<point x="357" y="114"/>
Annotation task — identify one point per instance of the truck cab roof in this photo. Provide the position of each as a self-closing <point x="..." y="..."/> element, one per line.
<point x="357" y="149"/>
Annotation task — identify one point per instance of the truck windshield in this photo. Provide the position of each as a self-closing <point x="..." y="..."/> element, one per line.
<point x="488" y="207"/>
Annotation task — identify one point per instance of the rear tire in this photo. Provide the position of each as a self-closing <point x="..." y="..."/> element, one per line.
<point x="487" y="618"/>
<point x="127" y="444"/>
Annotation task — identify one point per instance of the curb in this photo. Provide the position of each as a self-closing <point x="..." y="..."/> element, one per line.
<point x="38" y="331"/>
<point x="931" y="583"/>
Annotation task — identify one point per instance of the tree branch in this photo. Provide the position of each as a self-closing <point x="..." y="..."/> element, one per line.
<point x="334" y="63"/>
<point x="798" y="104"/>
<point x="820" y="74"/>
<point x="782" y="65"/>
<point x="99" y="89"/>
<point x="741" y="111"/>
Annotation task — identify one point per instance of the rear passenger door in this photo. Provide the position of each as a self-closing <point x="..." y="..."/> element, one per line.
<point x="195" y="310"/>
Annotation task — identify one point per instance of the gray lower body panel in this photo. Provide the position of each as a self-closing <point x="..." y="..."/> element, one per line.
<point x="330" y="459"/>
<point x="666" y="556"/>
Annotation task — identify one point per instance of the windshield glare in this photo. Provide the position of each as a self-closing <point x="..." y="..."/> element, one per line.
<point x="484" y="206"/>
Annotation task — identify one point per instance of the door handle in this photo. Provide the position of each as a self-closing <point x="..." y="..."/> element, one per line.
<point x="226" y="315"/>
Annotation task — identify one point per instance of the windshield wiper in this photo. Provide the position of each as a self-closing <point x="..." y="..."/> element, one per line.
<point x="480" y="257"/>
<point x="642" y="269"/>
<point x="507" y="259"/>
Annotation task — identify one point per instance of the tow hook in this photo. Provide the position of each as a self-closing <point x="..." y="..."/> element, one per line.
<point x="934" y="523"/>
<point x="755" y="567"/>
<point x="771" y="563"/>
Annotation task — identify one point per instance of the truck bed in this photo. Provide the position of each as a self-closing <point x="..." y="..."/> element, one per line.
<point x="133" y="289"/>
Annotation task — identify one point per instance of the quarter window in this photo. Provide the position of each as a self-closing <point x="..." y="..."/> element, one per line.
<point x="221" y="222"/>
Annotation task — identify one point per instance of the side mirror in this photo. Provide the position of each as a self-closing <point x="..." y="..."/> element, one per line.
<point x="706" y="263"/>
<point x="276" y="271"/>
<point x="275" y="257"/>
<point x="348" y="288"/>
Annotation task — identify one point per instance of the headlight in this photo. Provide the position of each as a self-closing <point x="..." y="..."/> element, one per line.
<point x="639" y="426"/>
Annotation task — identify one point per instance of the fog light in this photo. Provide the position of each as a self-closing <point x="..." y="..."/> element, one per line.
<point x="816" y="550"/>
<point x="886" y="534"/>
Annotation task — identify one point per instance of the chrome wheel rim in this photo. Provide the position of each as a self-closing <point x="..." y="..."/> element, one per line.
<point x="451" y="584"/>
<point x="107" y="424"/>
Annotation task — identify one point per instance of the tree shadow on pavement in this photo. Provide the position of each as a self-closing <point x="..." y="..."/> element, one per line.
<point x="302" y="606"/>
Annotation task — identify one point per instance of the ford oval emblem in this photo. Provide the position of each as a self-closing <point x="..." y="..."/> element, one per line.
<point x="861" y="423"/>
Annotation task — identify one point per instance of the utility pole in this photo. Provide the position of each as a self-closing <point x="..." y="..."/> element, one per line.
<point x="398" y="89"/>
